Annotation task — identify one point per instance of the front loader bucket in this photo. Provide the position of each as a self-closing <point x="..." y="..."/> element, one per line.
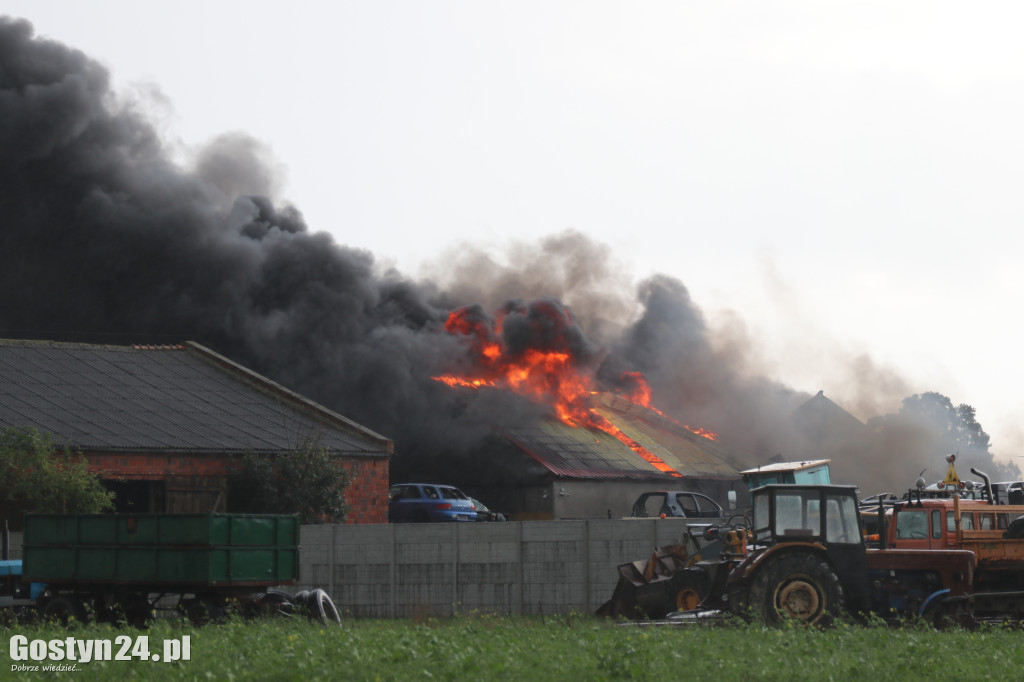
<point x="667" y="582"/>
<point x="643" y="589"/>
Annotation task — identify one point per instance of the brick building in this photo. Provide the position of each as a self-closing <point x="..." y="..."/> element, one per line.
<point x="164" y="426"/>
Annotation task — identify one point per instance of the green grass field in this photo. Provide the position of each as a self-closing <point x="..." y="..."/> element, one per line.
<point x="566" y="648"/>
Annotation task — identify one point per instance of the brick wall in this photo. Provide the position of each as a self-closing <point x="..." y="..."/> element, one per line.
<point x="367" y="495"/>
<point x="157" y="467"/>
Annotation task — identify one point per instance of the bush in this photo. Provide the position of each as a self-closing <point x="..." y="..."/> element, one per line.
<point x="307" y="481"/>
<point x="38" y="477"/>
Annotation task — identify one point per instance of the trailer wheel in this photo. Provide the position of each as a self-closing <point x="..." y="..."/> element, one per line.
<point x="137" y="610"/>
<point x="322" y="608"/>
<point x="9" y="617"/>
<point x="205" y="610"/>
<point x="797" y="587"/>
<point x="65" y="609"/>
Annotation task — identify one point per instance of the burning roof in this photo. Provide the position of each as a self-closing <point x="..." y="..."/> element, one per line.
<point x="537" y="351"/>
<point x="573" y="451"/>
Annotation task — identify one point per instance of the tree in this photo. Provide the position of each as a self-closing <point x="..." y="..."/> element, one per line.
<point x="38" y="477"/>
<point x="307" y="481"/>
<point x="956" y="427"/>
<point x="929" y="427"/>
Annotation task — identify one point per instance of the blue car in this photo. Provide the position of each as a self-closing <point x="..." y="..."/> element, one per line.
<point x="428" y="502"/>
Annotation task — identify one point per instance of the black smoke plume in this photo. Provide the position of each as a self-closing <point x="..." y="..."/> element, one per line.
<point x="105" y="239"/>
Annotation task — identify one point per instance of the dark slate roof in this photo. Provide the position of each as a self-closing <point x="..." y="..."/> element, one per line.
<point x="184" y="399"/>
<point x="820" y="417"/>
<point x="575" y="452"/>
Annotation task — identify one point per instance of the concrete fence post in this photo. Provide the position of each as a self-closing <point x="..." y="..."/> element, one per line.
<point x="333" y="559"/>
<point x="392" y="588"/>
<point x="455" y="567"/>
<point x="520" y="573"/>
<point x="586" y="565"/>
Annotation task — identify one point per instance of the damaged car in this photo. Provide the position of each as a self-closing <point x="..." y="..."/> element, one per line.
<point x="676" y="503"/>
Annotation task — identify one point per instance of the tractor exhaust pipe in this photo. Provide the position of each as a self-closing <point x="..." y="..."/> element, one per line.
<point x="988" y="484"/>
<point x="882" y="530"/>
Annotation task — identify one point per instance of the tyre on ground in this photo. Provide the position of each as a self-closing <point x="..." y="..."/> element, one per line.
<point x="322" y="608"/>
<point x="273" y="603"/>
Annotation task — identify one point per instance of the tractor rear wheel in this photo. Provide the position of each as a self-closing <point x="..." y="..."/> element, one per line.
<point x="797" y="587"/>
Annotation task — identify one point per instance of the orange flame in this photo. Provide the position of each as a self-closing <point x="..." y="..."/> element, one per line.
<point x="549" y="377"/>
<point x="641" y="395"/>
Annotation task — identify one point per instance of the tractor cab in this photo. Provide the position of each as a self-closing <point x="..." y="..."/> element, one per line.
<point x="821" y="514"/>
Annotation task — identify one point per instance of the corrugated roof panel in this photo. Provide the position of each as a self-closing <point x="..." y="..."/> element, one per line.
<point x="686" y="452"/>
<point x="173" y="398"/>
<point x="580" y="453"/>
<point x="572" y="452"/>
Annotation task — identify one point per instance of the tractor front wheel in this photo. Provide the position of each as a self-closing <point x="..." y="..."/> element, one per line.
<point x="689" y="587"/>
<point x="797" y="587"/>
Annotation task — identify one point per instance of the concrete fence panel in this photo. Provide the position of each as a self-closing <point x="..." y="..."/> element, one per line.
<point x="528" y="568"/>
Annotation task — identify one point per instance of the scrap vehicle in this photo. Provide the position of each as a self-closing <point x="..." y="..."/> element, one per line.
<point x="808" y="562"/>
<point x="804" y="558"/>
<point x="669" y="579"/>
<point x="122" y="567"/>
<point x="987" y="526"/>
<point x="676" y="504"/>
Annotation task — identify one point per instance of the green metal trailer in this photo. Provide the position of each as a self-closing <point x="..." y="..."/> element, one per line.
<point x="114" y="566"/>
<point x="161" y="550"/>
